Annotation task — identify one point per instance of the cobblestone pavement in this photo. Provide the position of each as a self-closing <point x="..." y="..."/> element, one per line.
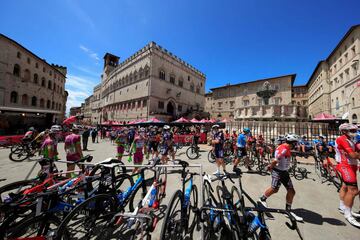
<point x="316" y="202"/>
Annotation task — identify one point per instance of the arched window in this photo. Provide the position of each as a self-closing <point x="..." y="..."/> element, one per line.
<point x="24" y="100"/>
<point x="192" y="87"/>
<point x="49" y="84"/>
<point x="135" y="75"/>
<point x="354" y="119"/>
<point x="16" y="71"/>
<point x="27" y="75"/>
<point x="43" y="82"/>
<point x="147" y="71"/>
<point x="33" y="101"/>
<point x="131" y="77"/>
<point x="162" y="74"/>
<point x="36" y="78"/>
<point x="48" y="104"/>
<point x="42" y="103"/>
<point x="13" y="97"/>
<point x="141" y="72"/>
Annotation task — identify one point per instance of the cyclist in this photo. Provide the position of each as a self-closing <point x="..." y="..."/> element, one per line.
<point x="73" y="149"/>
<point x="241" y="149"/>
<point x="304" y="146"/>
<point x="320" y="146"/>
<point x="131" y="135"/>
<point x="279" y="173"/>
<point x="30" y="135"/>
<point x="167" y="145"/>
<point x="49" y="146"/>
<point x="218" y="148"/>
<point x="331" y="148"/>
<point x="121" y="141"/>
<point x="139" y="147"/>
<point x="260" y="145"/>
<point x="153" y="142"/>
<point x="234" y="137"/>
<point x="227" y="134"/>
<point x="347" y="158"/>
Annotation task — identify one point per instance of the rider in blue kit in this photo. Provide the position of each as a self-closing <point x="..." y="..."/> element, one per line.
<point x="218" y="147"/>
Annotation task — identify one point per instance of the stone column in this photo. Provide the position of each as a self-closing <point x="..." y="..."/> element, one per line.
<point x="294" y="112"/>
<point x="282" y="110"/>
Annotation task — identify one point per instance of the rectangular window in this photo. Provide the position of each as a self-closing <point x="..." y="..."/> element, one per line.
<point x="144" y="103"/>
<point x="162" y="75"/>
<point x="181" y="83"/>
<point x="172" y="79"/>
<point x="188" y="78"/>
<point x="179" y="108"/>
<point x="232" y="104"/>
<point x="161" y="105"/>
<point x="219" y="104"/>
<point x="246" y="102"/>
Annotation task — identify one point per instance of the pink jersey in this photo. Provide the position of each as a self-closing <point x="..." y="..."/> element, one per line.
<point x="283" y="156"/>
<point x="343" y="147"/>
<point x="70" y="147"/>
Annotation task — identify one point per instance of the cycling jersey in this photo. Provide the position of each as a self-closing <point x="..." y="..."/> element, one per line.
<point x="343" y="147"/>
<point x="241" y="141"/>
<point x="70" y="147"/>
<point x="49" y="143"/>
<point x="283" y="156"/>
<point x="219" y="147"/>
<point x="331" y="143"/>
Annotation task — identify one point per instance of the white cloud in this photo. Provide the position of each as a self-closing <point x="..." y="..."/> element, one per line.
<point x="79" y="88"/>
<point x="88" y="71"/>
<point x="80" y="13"/>
<point x="89" y="52"/>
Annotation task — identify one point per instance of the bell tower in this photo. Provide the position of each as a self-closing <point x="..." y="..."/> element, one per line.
<point x="110" y="62"/>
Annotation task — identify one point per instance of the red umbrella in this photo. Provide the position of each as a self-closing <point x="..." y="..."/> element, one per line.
<point x="182" y="120"/>
<point x="70" y="120"/>
<point x="194" y="120"/>
<point x="212" y="121"/>
<point x="204" y="120"/>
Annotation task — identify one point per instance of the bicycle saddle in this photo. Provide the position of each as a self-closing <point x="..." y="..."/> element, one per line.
<point x="183" y="163"/>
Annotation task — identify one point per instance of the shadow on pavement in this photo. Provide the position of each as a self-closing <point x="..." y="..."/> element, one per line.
<point x="315" y="218"/>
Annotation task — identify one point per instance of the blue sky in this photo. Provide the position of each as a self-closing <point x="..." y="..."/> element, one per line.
<point x="230" y="41"/>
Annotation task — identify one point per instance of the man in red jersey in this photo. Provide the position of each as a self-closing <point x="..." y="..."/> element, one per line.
<point x="347" y="158"/>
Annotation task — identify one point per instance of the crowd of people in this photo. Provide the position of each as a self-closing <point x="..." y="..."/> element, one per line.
<point x="158" y="142"/>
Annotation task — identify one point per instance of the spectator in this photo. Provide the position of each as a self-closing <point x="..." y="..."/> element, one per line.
<point x="93" y="134"/>
<point x="85" y="138"/>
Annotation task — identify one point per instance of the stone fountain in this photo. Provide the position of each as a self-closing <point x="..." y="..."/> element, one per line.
<point x="266" y="92"/>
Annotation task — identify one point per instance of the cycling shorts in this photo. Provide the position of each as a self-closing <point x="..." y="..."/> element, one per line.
<point x="348" y="173"/>
<point x="120" y="151"/>
<point x="153" y="146"/>
<point x="241" y="152"/>
<point x="279" y="177"/>
<point x="219" y="153"/>
<point x="138" y="157"/>
<point x="165" y="150"/>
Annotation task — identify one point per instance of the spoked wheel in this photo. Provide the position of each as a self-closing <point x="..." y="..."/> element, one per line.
<point x="172" y="224"/>
<point x="192" y="205"/>
<point x="12" y="191"/>
<point x="19" y="155"/>
<point x="42" y="227"/>
<point x="192" y="152"/>
<point x="89" y="220"/>
<point x="211" y="157"/>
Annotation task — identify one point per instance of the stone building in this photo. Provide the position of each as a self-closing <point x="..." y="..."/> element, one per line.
<point x="334" y="86"/>
<point x="32" y="91"/>
<point x="74" y="111"/>
<point x="299" y="95"/>
<point x="264" y="99"/>
<point x="151" y="83"/>
<point x="96" y="105"/>
<point x="87" y="112"/>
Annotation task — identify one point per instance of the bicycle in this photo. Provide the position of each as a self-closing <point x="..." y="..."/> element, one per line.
<point x="328" y="172"/>
<point x="23" y="151"/>
<point x="228" y="157"/>
<point x="103" y="214"/>
<point x="193" y="152"/>
<point x="182" y="203"/>
<point x="298" y="173"/>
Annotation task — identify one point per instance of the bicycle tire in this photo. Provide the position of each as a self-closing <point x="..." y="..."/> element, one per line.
<point x="192" y="153"/>
<point x="44" y="220"/>
<point x="211" y="157"/>
<point x="195" y="197"/>
<point x="93" y="207"/>
<point x="17" y="186"/>
<point x="172" y="228"/>
<point x="219" y="196"/>
<point x="240" y="203"/>
<point x="20" y="156"/>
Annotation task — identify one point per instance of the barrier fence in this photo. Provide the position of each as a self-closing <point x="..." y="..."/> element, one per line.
<point x="273" y="129"/>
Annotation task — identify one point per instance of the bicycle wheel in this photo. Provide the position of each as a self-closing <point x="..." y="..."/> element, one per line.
<point x="192" y="205"/>
<point x="88" y="220"/>
<point x="19" y="156"/>
<point x="12" y="191"/>
<point x="238" y="200"/>
<point x="172" y="223"/>
<point x="210" y="218"/>
<point x="192" y="152"/>
<point x="211" y="157"/>
<point x="40" y="226"/>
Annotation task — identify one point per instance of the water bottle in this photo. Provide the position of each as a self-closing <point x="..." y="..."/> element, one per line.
<point x="153" y="197"/>
<point x="68" y="184"/>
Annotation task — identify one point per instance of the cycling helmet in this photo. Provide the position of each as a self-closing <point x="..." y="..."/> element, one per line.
<point x="347" y="127"/>
<point x="291" y="138"/>
<point x="142" y="129"/>
<point x="32" y="129"/>
<point x="234" y="130"/>
<point x="215" y="126"/>
<point x="166" y="127"/>
<point x="246" y="130"/>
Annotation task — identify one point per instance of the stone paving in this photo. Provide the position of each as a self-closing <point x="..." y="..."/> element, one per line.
<point x="316" y="202"/>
